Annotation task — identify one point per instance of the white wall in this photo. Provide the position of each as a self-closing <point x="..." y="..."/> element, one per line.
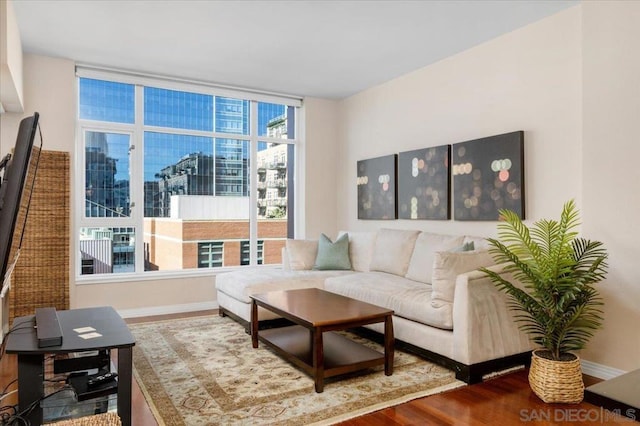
<point x="572" y="83"/>
<point x="11" y="81"/>
<point x="611" y="151"/>
<point x="527" y="80"/>
<point x="320" y="181"/>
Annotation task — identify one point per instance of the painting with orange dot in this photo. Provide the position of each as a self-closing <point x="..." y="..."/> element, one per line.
<point x="488" y="175"/>
<point x="376" y="181"/>
<point x="424" y="183"/>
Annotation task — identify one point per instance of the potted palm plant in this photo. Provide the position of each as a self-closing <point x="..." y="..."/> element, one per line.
<point x="553" y="293"/>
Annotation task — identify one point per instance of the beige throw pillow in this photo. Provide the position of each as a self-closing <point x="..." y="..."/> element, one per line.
<point x="302" y="254"/>
<point x="392" y="251"/>
<point x="360" y="249"/>
<point x="447" y="266"/>
<point x="427" y="244"/>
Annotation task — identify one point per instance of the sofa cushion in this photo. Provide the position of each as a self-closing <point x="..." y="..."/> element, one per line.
<point x="392" y="251"/>
<point x="333" y="255"/>
<point x="427" y="244"/>
<point x="408" y="299"/>
<point x="244" y="282"/>
<point x="302" y="254"/>
<point x="448" y="265"/>
<point x="360" y="249"/>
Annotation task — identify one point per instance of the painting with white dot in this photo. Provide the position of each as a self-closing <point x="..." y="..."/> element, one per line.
<point x="488" y="175"/>
<point x="376" y="181"/>
<point x="424" y="183"/>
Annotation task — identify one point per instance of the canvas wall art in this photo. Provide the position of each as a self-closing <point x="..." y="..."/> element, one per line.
<point x="488" y="175"/>
<point x="376" y="179"/>
<point x="424" y="183"/>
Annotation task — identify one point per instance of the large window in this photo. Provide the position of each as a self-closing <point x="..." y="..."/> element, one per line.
<point x="178" y="179"/>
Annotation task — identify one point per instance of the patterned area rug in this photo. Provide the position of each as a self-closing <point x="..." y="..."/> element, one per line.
<point x="203" y="371"/>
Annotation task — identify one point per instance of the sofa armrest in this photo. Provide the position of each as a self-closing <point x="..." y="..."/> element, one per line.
<point x="483" y="326"/>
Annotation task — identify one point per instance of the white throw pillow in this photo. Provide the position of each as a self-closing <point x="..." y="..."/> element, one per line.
<point x="427" y="244"/>
<point x="392" y="251"/>
<point x="447" y="266"/>
<point x="302" y="254"/>
<point x="360" y="249"/>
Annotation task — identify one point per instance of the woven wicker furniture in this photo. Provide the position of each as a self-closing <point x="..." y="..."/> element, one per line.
<point x="106" y="419"/>
<point x="41" y="276"/>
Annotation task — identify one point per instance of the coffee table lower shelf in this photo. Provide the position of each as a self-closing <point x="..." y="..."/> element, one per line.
<point x="341" y="355"/>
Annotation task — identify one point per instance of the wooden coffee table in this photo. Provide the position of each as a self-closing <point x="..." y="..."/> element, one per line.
<point x="311" y="344"/>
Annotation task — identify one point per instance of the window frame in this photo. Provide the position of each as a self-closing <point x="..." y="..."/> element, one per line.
<point x="136" y="132"/>
<point x="212" y="245"/>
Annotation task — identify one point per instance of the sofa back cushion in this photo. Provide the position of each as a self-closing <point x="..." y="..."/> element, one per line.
<point x="427" y="244"/>
<point x="302" y="254"/>
<point x="447" y="266"/>
<point x="392" y="251"/>
<point x="360" y="249"/>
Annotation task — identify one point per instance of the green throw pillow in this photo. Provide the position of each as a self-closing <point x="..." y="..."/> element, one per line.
<point x="333" y="256"/>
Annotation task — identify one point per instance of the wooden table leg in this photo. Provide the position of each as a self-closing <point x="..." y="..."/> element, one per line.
<point x="388" y="345"/>
<point x="254" y="323"/>
<point x="125" y="366"/>
<point x="318" y="360"/>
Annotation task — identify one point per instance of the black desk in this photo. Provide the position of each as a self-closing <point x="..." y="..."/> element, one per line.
<point x="115" y="335"/>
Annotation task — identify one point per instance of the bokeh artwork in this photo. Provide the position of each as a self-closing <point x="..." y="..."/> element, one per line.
<point x="488" y="175"/>
<point x="376" y="179"/>
<point x="424" y="183"/>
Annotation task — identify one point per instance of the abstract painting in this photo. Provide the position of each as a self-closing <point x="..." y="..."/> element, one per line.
<point x="376" y="179"/>
<point x="488" y="175"/>
<point x="424" y="183"/>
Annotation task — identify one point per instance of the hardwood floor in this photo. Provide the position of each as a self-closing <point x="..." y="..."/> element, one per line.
<point x="503" y="400"/>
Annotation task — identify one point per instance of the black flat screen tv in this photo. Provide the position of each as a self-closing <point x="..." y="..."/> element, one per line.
<point x="19" y="170"/>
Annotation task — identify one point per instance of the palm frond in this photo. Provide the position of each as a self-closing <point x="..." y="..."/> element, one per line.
<point x="552" y="294"/>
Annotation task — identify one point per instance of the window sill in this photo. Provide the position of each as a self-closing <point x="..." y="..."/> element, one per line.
<point x="161" y="275"/>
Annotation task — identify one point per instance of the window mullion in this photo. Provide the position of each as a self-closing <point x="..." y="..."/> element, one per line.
<point x="137" y="178"/>
<point x="253" y="184"/>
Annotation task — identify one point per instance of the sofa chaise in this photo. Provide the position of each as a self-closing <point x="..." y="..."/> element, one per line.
<point x="444" y="308"/>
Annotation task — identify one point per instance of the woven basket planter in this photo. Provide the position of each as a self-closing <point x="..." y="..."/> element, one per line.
<point x="556" y="381"/>
<point x="106" y="419"/>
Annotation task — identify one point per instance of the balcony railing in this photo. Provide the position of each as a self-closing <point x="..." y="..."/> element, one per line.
<point x="272" y="165"/>
<point x="272" y="202"/>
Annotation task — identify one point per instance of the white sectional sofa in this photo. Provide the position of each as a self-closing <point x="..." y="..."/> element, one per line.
<point x="444" y="309"/>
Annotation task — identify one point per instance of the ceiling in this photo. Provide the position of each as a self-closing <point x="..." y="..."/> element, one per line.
<point x="326" y="49"/>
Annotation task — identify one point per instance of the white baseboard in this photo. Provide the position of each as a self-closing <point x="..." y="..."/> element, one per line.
<point x="600" y="371"/>
<point x="167" y="309"/>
